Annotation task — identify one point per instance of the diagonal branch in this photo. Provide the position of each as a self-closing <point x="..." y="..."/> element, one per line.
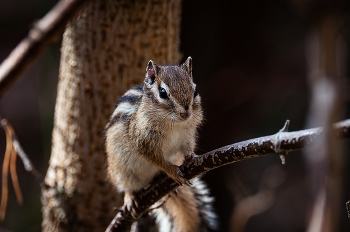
<point x="280" y="143"/>
<point x="39" y="37"/>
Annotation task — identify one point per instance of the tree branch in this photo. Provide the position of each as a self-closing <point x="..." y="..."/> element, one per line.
<point x="39" y="37"/>
<point x="282" y="142"/>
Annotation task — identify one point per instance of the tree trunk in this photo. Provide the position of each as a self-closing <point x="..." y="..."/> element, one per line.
<point x="105" y="50"/>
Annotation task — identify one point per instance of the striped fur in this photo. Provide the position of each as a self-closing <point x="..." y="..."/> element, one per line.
<point x="152" y="129"/>
<point x="126" y="106"/>
<point x="188" y="210"/>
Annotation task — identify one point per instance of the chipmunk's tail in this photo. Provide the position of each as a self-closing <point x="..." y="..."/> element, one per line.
<point x="188" y="210"/>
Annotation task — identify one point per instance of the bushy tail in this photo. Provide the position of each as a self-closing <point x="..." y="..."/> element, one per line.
<point x="189" y="209"/>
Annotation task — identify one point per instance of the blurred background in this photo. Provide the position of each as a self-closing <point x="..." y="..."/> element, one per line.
<point x="250" y="68"/>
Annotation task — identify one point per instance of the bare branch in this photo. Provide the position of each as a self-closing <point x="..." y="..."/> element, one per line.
<point x="39" y="37"/>
<point x="274" y="144"/>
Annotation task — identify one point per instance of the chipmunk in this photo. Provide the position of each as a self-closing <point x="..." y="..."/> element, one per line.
<point x="152" y="129"/>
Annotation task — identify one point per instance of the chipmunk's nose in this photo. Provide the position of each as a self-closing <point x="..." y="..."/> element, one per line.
<point x="185" y="114"/>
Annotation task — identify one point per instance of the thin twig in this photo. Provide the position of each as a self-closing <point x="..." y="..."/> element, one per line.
<point x="5" y="168"/>
<point x="39" y="37"/>
<point x="29" y="167"/>
<point x="14" y="177"/>
<point x="274" y="144"/>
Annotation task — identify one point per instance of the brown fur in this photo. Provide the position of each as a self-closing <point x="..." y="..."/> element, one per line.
<point x="183" y="209"/>
<point x="148" y="134"/>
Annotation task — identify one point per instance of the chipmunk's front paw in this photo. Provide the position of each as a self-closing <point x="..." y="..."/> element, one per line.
<point x="130" y="205"/>
<point x="189" y="155"/>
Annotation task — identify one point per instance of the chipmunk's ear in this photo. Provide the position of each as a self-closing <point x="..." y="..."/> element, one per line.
<point x="188" y="65"/>
<point x="151" y="72"/>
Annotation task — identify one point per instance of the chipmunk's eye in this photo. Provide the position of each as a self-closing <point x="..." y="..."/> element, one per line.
<point x="162" y="93"/>
<point x="195" y="93"/>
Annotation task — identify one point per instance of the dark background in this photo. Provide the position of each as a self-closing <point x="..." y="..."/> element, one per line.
<point x="250" y="69"/>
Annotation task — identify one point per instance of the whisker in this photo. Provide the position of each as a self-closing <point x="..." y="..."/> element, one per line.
<point x="163" y="120"/>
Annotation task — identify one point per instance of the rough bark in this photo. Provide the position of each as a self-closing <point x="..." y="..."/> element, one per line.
<point x="105" y="50"/>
